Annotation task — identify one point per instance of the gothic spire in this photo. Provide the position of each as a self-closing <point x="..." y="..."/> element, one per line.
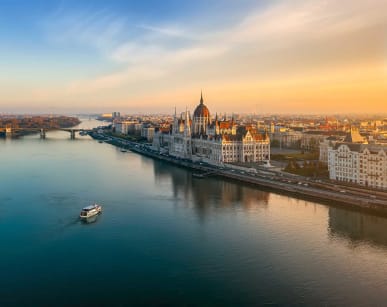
<point x="187" y="128"/>
<point x="201" y="97"/>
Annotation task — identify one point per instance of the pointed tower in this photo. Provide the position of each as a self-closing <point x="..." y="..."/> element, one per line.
<point x="187" y="144"/>
<point x="216" y="124"/>
<point x="175" y="128"/>
<point x="187" y="126"/>
<point x="201" y="118"/>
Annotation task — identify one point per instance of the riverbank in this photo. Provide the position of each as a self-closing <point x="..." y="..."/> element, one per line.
<point x="20" y="125"/>
<point x="282" y="183"/>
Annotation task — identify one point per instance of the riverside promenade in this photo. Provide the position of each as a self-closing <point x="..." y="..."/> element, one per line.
<point x="276" y="181"/>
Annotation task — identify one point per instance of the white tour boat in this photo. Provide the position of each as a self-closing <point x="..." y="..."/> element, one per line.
<point x="90" y="211"/>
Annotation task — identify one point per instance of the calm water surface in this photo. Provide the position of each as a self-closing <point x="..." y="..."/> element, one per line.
<point x="166" y="238"/>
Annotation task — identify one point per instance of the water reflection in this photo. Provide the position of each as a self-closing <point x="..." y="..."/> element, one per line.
<point x="184" y="240"/>
<point x="210" y="192"/>
<point x="90" y="220"/>
<point x="357" y="227"/>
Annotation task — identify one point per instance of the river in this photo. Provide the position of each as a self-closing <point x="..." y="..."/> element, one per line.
<point x="166" y="238"/>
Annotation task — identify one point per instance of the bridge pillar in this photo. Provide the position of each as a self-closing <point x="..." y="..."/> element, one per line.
<point x="8" y="132"/>
<point x="42" y="134"/>
<point x="72" y="134"/>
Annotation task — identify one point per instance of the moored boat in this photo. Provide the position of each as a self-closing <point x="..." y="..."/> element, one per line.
<point x="90" y="211"/>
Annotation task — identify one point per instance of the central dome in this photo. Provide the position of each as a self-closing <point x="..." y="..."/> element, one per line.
<point x="201" y="110"/>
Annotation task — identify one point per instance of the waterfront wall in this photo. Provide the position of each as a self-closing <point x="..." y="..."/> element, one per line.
<point x="333" y="196"/>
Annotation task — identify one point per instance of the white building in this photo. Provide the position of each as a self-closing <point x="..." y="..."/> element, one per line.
<point x="362" y="164"/>
<point x="122" y="126"/>
<point x="214" y="141"/>
<point x="311" y="140"/>
<point x="287" y="138"/>
<point x="330" y="141"/>
<point x="343" y="162"/>
<point x="148" y="133"/>
<point x="373" y="167"/>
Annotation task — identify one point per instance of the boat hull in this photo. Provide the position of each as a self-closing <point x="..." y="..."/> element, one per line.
<point x="90" y="212"/>
<point x="89" y="215"/>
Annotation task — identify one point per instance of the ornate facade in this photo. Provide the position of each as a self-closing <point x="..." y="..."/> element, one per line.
<point x="201" y="119"/>
<point x="362" y="164"/>
<point x="214" y="141"/>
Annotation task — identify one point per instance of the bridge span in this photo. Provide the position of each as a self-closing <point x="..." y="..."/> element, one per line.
<point x="9" y="131"/>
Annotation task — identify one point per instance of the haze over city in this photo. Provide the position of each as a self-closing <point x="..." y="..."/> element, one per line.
<point x="149" y="56"/>
<point x="193" y="153"/>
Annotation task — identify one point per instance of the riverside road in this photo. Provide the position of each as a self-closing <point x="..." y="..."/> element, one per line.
<point x="282" y="182"/>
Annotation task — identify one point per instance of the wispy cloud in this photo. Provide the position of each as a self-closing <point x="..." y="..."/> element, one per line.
<point x="100" y="29"/>
<point x="169" y="31"/>
<point x="324" y="17"/>
<point x="285" y="36"/>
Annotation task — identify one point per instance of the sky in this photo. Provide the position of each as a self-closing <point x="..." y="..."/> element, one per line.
<point x="262" y="56"/>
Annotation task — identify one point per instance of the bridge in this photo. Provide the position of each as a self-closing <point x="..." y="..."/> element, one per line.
<point x="9" y="131"/>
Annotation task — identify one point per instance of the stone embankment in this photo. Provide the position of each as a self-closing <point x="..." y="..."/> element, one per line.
<point x="279" y="182"/>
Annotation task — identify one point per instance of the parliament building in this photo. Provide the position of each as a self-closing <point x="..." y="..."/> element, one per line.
<point x="212" y="140"/>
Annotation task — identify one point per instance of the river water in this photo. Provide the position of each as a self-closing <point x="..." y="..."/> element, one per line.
<point x="166" y="238"/>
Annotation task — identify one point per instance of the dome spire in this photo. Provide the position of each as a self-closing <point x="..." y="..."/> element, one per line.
<point x="201" y="97"/>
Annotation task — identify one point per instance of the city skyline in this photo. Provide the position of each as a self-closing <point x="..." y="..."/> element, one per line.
<point x="257" y="57"/>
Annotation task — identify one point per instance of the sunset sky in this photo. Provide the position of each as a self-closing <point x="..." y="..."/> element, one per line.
<point x="284" y="56"/>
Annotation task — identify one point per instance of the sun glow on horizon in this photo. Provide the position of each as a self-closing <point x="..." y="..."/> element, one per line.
<point x="284" y="56"/>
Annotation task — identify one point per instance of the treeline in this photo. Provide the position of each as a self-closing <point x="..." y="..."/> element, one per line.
<point x="307" y="168"/>
<point x="38" y="121"/>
